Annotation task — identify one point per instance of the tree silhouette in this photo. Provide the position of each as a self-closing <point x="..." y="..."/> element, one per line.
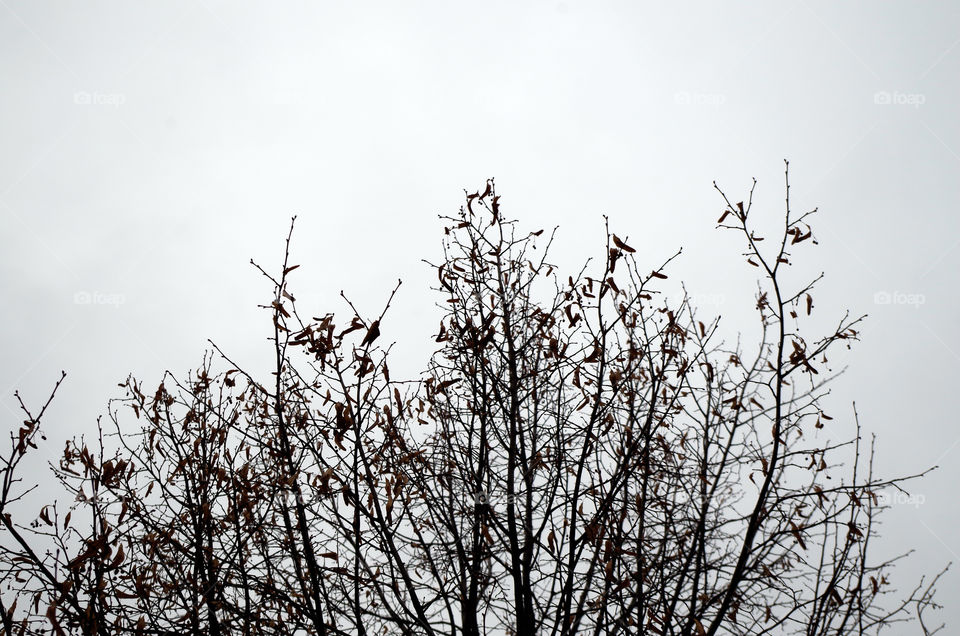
<point x="581" y="456"/>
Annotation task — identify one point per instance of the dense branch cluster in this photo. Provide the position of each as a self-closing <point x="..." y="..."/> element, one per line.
<point x="581" y="456"/>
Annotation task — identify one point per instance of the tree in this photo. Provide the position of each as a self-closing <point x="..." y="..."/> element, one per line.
<point x="580" y="456"/>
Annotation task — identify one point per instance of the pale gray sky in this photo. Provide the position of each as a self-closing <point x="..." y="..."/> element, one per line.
<point x="148" y="150"/>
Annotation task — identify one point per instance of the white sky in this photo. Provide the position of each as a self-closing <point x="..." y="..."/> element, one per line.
<point x="148" y="150"/>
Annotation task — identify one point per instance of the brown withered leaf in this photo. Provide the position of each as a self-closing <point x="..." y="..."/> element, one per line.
<point x="372" y="334"/>
<point x="622" y="245"/>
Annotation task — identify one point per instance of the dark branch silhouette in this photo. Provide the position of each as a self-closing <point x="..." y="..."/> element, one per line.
<point x="581" y="456"/>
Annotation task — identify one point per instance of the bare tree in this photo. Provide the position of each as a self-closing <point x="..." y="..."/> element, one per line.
<point x="582" y="455"/>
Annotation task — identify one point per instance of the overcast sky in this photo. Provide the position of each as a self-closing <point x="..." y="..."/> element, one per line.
<point x="149" y="150"/>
